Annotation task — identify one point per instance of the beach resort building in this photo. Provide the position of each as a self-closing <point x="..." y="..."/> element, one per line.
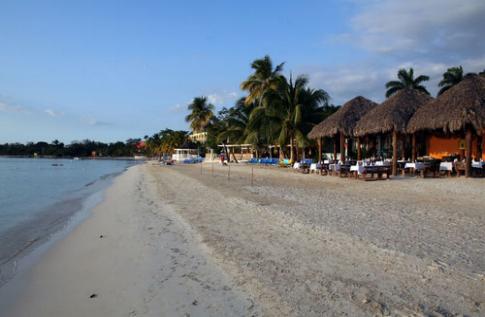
<point x="340" y="125"/>
<point x="385" y="125"/>
<point x="200" y="137"/>
<point x="453" y="124"/>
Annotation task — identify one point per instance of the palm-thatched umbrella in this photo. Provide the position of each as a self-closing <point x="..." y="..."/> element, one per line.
<point x="460" y="108"/>
<point x="392" y="116"/>
<point x="342" y="123"/>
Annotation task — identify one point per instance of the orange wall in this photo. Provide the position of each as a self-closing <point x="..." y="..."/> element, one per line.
<point x="438" y="147"/>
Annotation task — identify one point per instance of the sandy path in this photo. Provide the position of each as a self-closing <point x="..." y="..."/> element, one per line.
<point x="148" y="263"/>
<point x="310" y="246"/>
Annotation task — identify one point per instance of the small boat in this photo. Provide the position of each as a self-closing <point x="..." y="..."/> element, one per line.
<point x="75" y="158"/>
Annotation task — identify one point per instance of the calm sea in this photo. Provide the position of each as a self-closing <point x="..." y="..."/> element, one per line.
<point x="39" y="197"/>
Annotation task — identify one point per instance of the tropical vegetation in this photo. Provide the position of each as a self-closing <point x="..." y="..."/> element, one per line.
<point x="450" y="78"/>
<point x="201" y="113"/>
<point x="406" y="80"/>
<point x="275" y="111"/>
<point x="164" y="142"/>
<point x="75" y="149"/>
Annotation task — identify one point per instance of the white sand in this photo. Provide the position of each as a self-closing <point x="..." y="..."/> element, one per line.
<point x="178" y="242"/>
<point x="148" y="263"/>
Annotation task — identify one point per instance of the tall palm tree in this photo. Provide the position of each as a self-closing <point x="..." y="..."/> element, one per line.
<point x="298" y="108"/>
<point x="406" y="80"/>
<point x="264" y="78"/>
<point x="450" y="78"/>
<point x="235" y="124"/>
<point x="200" y="114"/>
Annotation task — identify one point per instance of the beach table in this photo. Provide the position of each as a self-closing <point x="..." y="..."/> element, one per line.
<point x="414" y="167"/>
<point x="477" y="164"/>
<point x="314" y="167"/>
<point x="334" y="168"/>
<point x="357" y="170"/>
<point x="446" y="167"/>
<point x="478" y="167"/>
<point x="364" y="170"/>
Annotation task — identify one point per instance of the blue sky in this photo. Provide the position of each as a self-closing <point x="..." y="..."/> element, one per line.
<point x="111" y="70"/>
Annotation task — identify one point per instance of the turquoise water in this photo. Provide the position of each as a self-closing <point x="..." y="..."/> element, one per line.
<point x="39" y="196"/>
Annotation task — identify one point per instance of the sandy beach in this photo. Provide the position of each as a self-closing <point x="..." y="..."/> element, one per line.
<point x="192" y="241"/>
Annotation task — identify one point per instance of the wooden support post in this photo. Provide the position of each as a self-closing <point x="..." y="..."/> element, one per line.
<point x="468" y="154"/>
<point x="394" y="152"/>
<point x="335" y="147"/>
<point x="413" y="153"/>
<point x="319" y="150"/>
<point x="479" y="148"/>
<point x="359" y="150"/>
<point x="342" y="147"/>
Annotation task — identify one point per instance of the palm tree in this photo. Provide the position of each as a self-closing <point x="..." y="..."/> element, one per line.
<point x="450" y="78"/>
<point x="406" y="80"/>
<point x="297" y="109"/>
<point x="235" y="123"/>
<point x="200" y="114"/>
<point x="263" y="79"/>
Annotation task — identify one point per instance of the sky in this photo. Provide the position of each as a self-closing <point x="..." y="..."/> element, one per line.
<point x="113" y="70"/>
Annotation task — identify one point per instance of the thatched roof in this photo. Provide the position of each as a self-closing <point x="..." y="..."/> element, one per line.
<point x="344" y="119"/>
<point x="393" y="114"/>
<point x="461" y="105"/>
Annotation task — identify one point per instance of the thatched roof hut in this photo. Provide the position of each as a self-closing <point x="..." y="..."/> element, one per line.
<point x="460" y="106"/>
<point x="344" y="119"/>
<point x="393" y="114"/>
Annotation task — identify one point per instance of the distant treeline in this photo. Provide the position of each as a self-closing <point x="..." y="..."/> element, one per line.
<point x="74" y="149"/>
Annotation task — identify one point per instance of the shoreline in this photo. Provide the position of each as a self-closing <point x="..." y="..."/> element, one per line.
<point x="111" y="264"/>
<point x="25" y="242"/>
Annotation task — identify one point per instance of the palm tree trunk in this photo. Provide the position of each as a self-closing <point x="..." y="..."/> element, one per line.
<point x="226" y="152"/>
<point x="292" y="157"/>
<point x="234" y="156"/>
<point x="281" y="153"/>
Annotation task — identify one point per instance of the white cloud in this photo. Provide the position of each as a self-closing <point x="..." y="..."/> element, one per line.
<point x="222" y="98"/>
<point x="92" y="121"/>
<point x="421" y="27"/>
<point x="177" y="108"/>
<point x="429" y="36"/>
<point x="7" y="107"/>
<point x="53" y="113"/>
<point x="343" y="82"/>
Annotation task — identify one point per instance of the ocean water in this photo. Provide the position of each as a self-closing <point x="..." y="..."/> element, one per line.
<point x="39" y="197"/>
